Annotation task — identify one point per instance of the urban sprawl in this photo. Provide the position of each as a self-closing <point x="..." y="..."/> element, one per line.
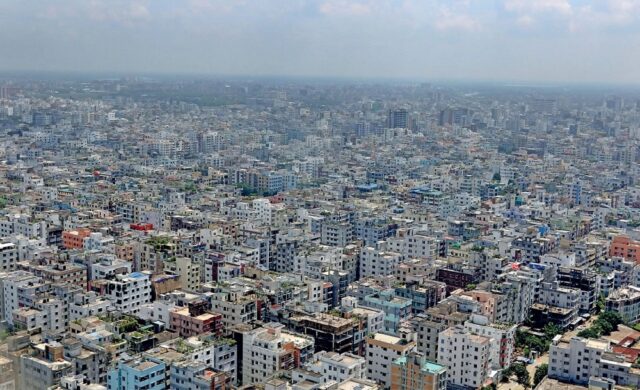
<point x="318" y="235"/>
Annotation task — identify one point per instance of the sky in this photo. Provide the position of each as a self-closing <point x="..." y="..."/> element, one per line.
<point x="572" y="41"/>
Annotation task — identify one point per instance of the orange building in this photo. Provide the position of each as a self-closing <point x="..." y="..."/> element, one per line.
<point x="74" y="239"/>
<point x="625" y="247"/>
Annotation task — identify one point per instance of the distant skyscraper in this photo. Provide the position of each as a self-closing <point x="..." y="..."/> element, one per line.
<point x="398" y="119"/>
<point x="453" y="116"/>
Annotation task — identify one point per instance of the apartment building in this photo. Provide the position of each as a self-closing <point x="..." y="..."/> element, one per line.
<point x="577" y="360"/>
<point x="502" y="340"/>
<point x="330" y="333"/>
<point x="414" y="372"/>
<point x="195" y="319"/>
<point x="11" y="284"/>
<point x="626" y="302"/>
<point x="45" y="367"/>
<point x="8" y="256"/>
<point x="193" y="375"/>
<point x="87" y="305"/>
<point x="378" y="262"/>
<point x="138" y="373"/>
<point x="74" y="239"/>
<point x="236" y="308"/>
<point x="381" y="351"/>
<point x="129" y="292"/>
<point x="270" y="349"/>
<point x="327" y="367"/>
<point x="466" y="357"/>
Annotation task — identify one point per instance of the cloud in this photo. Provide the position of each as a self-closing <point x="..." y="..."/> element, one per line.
<point x="525" y="21"/>
<point x="449" y="20"/>
<point x="345" y="8"/>
<point x="539" y="6"/>
<point x="114" y="11"/>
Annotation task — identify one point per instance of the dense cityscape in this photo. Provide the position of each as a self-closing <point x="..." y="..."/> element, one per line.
<point x="317" y="235"/>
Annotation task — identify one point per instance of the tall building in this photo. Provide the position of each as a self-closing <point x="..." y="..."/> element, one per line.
<point x="466" y="357"/>
<point x="382" y="351"/>
<point x="129" y="292"/>
<point x="398" y="119"/>
<point x="414" y="372"/>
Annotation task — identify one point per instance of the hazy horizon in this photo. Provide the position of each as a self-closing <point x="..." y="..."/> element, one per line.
<point x="497" y="41"/>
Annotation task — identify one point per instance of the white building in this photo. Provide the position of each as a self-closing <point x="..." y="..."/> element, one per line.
<point x="8" y="257"/>
<point x="377" y="262"/>
<point x="158" y="310"/>
<point x="579" y="359"/>
<point x="560" y="259"/>
<point x="330" y="366"/>
<point x="626" y="302"/>
<point x="87" y="305"/>
<point x="128" y="293"/>
<point x="501" y="336"/>
<point x="22" y="224"/>
<point x="382" y="351"/>
<point x="220" y="354"/>
<point x="465" y="355"/>
<point x="264" y="353"/>
<point x="10" y="283"/>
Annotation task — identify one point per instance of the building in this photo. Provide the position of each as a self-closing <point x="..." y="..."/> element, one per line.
<point x="7" y="380"/>
<point x="435" y="320"/>
<point x="330" y="367"/>
<point x="625" y="247"/>
<point x="626" y="302"/>
<point x="219" y="354"/>
<point x="584" y="280"/>
<point x="381" y="351"/>
<point x="188" y="271"/>
<point x="268" y="350"/>
<point x="331" y="333"/>
<point x="45" y="367"/>
<point x="194" y="320"/>
<point x="87" y="305"/>
<point x="502" y="340"/>
<point x="139" y="373"/>
<point x="13" y="285"/>
<point x="192" y="375"/>
<point x="398" y="119"/>
<point x="74" y="239"/>
<point x="396" y="309"/>
<point x="466" y="357"/>
<point x="414" y="372"/>
<point x="8" y="256"/>
<point x="577" y="360"/>
<point x="58" y="272"/>
<point x="128" y="293"/>
<point x="235" y="307"/>
<point x="377" y="262"/>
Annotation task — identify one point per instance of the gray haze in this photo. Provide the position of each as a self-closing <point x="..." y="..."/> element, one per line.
<point x="529" y="40"/>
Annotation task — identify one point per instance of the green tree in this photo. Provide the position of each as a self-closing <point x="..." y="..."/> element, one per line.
<point x="521" y="373"/>
<point x="592" y="332"/>
<point x="600" y="304"/>
<point x="611" y="317"/>
<point x="551" y="330"/>
<point x="541" y="372"/>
